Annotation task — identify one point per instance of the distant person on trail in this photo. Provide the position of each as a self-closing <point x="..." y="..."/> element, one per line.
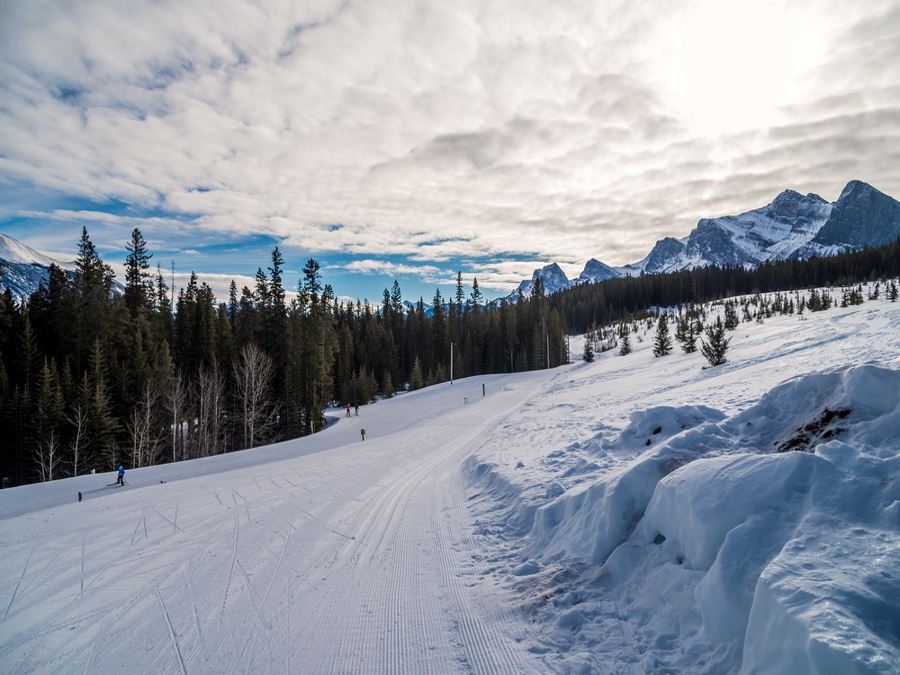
<point x="356" y="407"/>
<point x="348" y="410"/>
<point x="362" y="432"/>
<point x="121" y="479"/>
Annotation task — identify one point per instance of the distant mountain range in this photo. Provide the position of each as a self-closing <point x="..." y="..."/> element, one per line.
<point x="23" y="269"/>
<point x="792" y="226"/>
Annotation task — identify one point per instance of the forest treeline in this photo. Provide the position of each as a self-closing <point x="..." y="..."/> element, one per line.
<point x="591" y="305"/>
<point x="92" y="377"/>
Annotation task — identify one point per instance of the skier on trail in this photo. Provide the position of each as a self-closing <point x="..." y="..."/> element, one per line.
<point x="356" y="407"/>
<point x="348" y="410"/>
<point x="121" y="478"/>
<point x="362" y="432"/>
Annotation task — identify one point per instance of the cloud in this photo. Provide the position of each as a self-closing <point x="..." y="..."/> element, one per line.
<point x="435" y="132"/>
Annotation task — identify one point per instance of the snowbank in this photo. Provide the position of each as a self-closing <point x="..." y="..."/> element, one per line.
<point x="782" y="522"/>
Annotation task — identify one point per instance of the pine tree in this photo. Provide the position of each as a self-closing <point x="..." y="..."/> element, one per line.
<point x="460" y="294"/>
<point x="689" y="343"/>
<point x="387" y="386"/>
<point x="477" y="298"/>
<point x="138" y="287"/>
<point x="731" y="317"/>
<point x="624" y="340"/>
<point x="416" y="379"/>
<point x="46" y="418"/>
<point x="892" y="293"/>
<point x="588" y="348"/>
<point x="662" y="344"/>
<point x="715" y="346"/>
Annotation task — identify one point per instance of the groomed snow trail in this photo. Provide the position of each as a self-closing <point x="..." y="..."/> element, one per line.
<point x="351" y="558"/>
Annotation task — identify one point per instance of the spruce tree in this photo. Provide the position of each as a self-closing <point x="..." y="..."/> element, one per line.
<point x="477" y="298"/>
<point x="624" y="339"/>
<point x="416" y="379"/>
<point x="138" y="287"/>
<point x="715" y="346"/>
<point x="892" y="293"/>
<point x="662" y="344"/>
<point x="731" y="317"/>
<point x="46" y="417"/>
<point x="387" y="385"/>
<point x="102" y="425"/>
<point x="689" y="343"/>
<point x="588" y="348"/>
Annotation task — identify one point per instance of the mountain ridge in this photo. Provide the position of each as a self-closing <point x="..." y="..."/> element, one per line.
<point x="793" y="226"/>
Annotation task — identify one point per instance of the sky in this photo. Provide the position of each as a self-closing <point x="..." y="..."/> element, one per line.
<point x="406" y="139"/>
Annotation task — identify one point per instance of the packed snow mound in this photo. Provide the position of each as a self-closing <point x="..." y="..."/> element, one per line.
<point x="859" y="405"/>
<point x="791" y="547"/>
<point x="654" y="425"/>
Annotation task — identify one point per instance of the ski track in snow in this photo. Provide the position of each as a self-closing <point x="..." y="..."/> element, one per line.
<point x="350" y="559"/>
<point x="335" y="555"/>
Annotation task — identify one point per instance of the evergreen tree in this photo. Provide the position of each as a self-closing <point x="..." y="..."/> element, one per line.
<point x="689" y="342"/>
<point x="387" y="386"/>
<point x="46" y="419"/>
<point x="662" y="344"/>
<point x="731" y="317"/>
<point x="416" y="379"/>
<point x="892" y="293"/>
<point x="138" y="288"/>
<point x="460" y="293"/>
<point x="588" y="354"/>
<point x="715" y="346"/>
<point x="102" y="425"/>
<point x="477" y="297"/>
<point x="624" y="340"/>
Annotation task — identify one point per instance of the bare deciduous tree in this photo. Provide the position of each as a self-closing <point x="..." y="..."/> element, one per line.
<point x="178" y="397"/>
<point x="253" y="373"/>
<point x="211" y="411"/>
<point x="48" y="455"/>
<point x="143" y="430"/>
<point x="78" y="419"/>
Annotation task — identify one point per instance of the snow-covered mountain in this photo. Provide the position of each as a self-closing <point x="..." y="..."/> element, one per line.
<point x="22" y="268"/>
<point x="595" y="271"/>
<point x="553" y="277"/>
<point x="792" y="226"/>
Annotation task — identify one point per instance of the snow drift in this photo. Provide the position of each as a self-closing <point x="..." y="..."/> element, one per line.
<point x="781" y="524"/>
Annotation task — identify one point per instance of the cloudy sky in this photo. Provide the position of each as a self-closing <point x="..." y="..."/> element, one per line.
<point x="399" y="138"/>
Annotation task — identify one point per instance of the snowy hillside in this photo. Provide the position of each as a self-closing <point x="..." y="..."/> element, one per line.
<point x="22" y="268"/>
<point x="629" y="515"/>
<point x="14" y="251"/>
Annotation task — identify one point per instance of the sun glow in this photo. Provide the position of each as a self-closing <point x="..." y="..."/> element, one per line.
<point x="726" y="67"/>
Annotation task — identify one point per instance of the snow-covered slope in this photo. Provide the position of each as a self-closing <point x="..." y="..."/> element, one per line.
<point x="630" y="515"/>
<point x="14" y="251"/>
<point x="642" y="510"/>
<point x="324" y="554"/>
<point x="22" y="268"/>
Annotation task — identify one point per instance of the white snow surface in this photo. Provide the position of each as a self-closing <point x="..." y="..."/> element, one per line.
<point x="14" y="251"/>
<point x="626" y="516"/>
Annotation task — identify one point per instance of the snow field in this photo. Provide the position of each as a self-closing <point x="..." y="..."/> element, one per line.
<point x="683" y="540"/>
<point x="357" y="558"/>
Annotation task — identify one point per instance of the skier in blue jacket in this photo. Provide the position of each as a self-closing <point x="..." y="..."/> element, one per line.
<point x="121" y="480"/>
